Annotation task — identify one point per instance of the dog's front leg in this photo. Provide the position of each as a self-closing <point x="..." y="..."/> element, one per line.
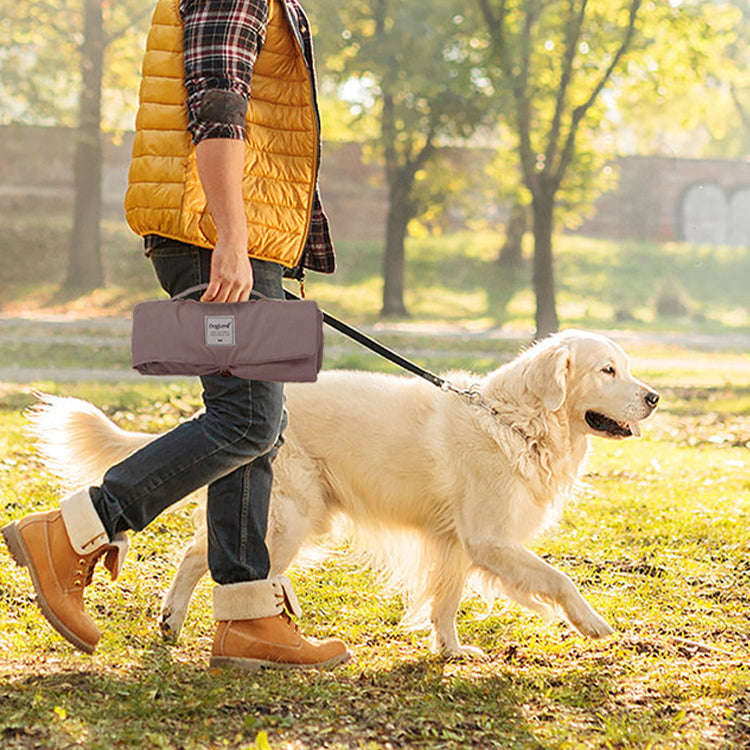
<point x="193" y="567"/>
<point x="526" y="578"/>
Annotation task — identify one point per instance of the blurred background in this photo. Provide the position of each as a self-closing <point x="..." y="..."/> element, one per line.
<point x="512" y="166"/>
<point x="493" y="170"/>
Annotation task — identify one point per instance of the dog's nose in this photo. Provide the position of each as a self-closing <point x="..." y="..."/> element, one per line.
<point x="652" y="399"/>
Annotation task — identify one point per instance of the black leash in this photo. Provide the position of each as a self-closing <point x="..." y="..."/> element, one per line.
<point x="472" y="395"/>
<point x="354" y="334"/>
<point x="375" y="346"/>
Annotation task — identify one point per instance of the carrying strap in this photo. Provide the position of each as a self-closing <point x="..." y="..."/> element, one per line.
<point x="203" y="287"/>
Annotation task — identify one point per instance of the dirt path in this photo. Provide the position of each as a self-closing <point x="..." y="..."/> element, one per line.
<point x="114" y="332"/>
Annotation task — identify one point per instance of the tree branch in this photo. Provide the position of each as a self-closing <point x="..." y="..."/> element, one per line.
<point x="53" y="13"/>
<point x="109" y="38"/>
<point x="497" y="31"/>
<point x="580" y="112"/>
<point x="520" y="85"/>
<point x="426" y="151"/>
<point x="743" y="113"/>
<point x="388" y="118"/>
<point x="572" y="36"/>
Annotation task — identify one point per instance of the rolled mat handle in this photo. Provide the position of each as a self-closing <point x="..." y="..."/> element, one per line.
<point x="202" y="287"/>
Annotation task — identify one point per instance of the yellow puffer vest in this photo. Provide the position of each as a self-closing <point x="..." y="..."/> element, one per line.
<point x="165" y="197"/>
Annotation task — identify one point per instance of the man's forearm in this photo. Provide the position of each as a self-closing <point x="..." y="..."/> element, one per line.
<point x="221" y="163"/>
<point x="220" y="168"/>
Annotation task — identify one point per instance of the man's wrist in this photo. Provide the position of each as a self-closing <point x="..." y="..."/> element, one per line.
<point x="232" y="242"/>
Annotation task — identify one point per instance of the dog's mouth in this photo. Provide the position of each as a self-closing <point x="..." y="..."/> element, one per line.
<point x="610" y="427"/>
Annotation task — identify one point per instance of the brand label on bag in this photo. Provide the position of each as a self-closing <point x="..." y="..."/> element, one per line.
<point x="219" y="330"/>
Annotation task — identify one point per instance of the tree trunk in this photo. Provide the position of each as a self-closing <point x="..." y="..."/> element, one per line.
<point x="511" y="253"/>
<point x="544" y="279"/>
<point x="394" y="260"/>
<point x="85" y="269"/>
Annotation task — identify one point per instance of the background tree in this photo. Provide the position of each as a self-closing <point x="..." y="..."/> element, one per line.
<point x="415" y="68"/>
<point x="60" y="59"/>
<point x="556" y="58"/>
<point x="566" y="64"/>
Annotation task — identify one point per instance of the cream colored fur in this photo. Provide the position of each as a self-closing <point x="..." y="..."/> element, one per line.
<point x="250" y="600"/>
<point x="439" y="489"/>
<point x="85" y="530"/>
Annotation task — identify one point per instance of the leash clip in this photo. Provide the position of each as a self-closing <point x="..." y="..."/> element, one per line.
<point x="472" y="395"/>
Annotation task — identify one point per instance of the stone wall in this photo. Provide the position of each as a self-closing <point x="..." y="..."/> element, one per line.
<point x="36" y="176"/>
<point x="658" y="198"/>
<point x="663" y="199"/>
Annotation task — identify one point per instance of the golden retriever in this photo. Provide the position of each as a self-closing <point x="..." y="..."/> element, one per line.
<point x="442" y="487"/>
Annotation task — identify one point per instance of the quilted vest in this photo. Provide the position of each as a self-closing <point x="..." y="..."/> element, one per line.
<point x="164" y="195"/>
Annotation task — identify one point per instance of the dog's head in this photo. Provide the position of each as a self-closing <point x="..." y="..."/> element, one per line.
<point x="588" y="375"/>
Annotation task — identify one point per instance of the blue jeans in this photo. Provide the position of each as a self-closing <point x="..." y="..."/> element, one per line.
<point x="229" y="447"/>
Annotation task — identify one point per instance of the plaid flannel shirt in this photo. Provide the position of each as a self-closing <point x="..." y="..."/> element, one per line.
<point x="222" y="39"/>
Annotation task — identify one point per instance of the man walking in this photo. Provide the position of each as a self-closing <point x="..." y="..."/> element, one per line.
<point x="223" y="187"/>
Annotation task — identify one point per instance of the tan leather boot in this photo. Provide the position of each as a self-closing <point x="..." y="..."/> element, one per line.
<point x="60" y="548"/>
<point x="254" y="630"/>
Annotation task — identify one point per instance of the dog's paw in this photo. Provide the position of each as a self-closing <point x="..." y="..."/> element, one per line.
<point x="465" y="653"/>
<point x="168" y="633"/>
<point x="594" y="627"/>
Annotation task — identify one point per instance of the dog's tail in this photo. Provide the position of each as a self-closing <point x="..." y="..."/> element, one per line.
<point x="78" y="442"/>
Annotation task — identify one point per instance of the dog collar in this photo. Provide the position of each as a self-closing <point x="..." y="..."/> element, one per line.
<point x="474" y="397"/>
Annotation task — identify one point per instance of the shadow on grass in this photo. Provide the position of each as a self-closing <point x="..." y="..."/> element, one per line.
<point x="739" y="732"/>
<point x="63" y="295"/>
<point x="168" y="701"/>
<point x="43" y="296"/>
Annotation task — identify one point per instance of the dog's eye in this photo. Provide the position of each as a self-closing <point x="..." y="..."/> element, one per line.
<point x="608" y="370"/>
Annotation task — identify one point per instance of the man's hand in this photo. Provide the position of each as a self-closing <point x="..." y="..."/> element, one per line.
<point x="221" y="164"/>
<point x="231" y="274"/>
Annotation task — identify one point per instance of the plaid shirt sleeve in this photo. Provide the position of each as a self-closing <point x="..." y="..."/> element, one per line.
<point x="222" y="39"/>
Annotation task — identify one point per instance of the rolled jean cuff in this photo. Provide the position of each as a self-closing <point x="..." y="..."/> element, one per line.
<point x="85" y="529"/>
<point x="251" y="600"/>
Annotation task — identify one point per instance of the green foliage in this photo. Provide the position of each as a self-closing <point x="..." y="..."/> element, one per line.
<point x="40" y="59"/>
<point x="677" y="93"/>
<point x="413" y="73"/>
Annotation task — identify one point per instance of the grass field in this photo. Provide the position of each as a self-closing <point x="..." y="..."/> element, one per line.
<point x="453" y="279"/>
<point x="659" y="542"/>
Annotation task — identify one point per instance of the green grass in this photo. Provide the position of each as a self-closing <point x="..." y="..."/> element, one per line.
<point x="659" y="542"/>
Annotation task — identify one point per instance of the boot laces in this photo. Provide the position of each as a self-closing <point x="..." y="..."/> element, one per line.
<point x="288" y="619"/>
<point x="85" y="572"/>
<point x="285" y="615"/>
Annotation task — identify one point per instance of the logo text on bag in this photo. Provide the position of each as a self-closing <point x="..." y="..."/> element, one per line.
<point x="219" y="330"/>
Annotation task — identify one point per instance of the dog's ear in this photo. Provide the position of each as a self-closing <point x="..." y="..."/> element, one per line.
<point x="546" y="376"/>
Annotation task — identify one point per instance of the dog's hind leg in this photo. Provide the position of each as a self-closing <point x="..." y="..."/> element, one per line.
<point x="291" y="522"/>
<point x="193" y="567"/>
<point x="298" y="510"/>
<point x="289" y="528"/>
<point x="283" y="540"/>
